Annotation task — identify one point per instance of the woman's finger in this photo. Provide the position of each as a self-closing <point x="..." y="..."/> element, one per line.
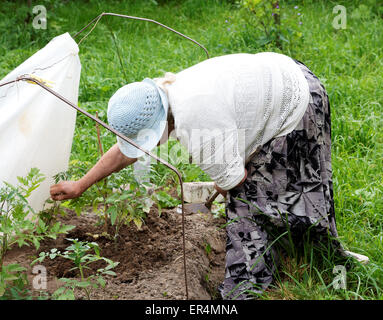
<point x="59" y="197"/>
<point x="55" y="189"/>
<point x="56" y="192"/>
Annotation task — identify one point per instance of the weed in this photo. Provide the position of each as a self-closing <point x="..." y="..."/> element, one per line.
<point x="207" y="248"/>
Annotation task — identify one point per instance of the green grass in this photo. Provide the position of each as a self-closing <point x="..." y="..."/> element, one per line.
<point x="349" y="62"/>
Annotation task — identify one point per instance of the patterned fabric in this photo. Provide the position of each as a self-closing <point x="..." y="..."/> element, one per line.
<point x="289" y="183"/>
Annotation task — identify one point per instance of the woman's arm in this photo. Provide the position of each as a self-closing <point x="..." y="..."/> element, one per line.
<point x="112" y="161"/>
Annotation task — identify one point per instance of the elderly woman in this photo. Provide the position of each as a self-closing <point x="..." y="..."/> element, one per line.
<point x="259" y="125"/>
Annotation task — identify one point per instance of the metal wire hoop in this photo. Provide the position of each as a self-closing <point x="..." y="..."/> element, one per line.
<point x="97" y="19"/>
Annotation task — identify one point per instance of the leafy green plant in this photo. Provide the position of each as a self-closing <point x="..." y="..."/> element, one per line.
<point x="218" y="210"/>
<point x="19" y="223"/>
<point x="13" y="282"/>
<point x="119" y="200"/>
<point x="265" y="14"/>
<point x="128" y="203"/>
<point x="17" y="284"/>
<point x="207" y="248"/>
<point x="277" y="26"/>
<point x="82" y="254"/>
<point x="49" y="215"/>
<point x="131" y="202"/>
<point x="78" y="169"/>
<point x="165" y="200"/>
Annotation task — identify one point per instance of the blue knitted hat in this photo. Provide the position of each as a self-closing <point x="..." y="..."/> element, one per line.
<point x="139" y="111"/>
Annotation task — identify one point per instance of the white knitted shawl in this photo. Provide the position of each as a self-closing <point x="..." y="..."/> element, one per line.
<point x="226" y="107"/>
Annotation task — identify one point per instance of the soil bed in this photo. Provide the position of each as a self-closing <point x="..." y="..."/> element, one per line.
<point x="151" y="259"/>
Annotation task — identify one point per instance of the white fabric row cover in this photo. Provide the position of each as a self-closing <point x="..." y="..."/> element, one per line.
<point x="36" y="128"/>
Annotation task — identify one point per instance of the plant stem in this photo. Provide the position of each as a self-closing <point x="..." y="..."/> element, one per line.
<point x="4" y="248"/>
<point x="264" y="28"/>
<point x="277" y="21"/>
<point x="117" y="51"/>
<point x="82" y="279"/>
<point x="4" y="242"/>
<point x="2" y="254"/>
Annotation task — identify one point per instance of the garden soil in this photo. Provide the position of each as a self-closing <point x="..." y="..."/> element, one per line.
<point x="150" y="260"/>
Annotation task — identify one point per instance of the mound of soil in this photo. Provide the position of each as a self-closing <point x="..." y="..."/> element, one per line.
<point x="150" y="260"/>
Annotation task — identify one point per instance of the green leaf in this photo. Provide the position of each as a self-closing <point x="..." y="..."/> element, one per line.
<point x="111" y="264"/>
<point x="165" y="200"/>
<point x="2" y="288"/>
<point x="40" y="258"/>
<point x="138" y="223"/>
<point x="36" y="243"/>
<point x="14" y="268"/>
<point x="113" y="214"/>
<point x="83" y="284"/>
<point x="64" y="293"/>
<point x="125" y="196"/>
<point x="65" y="204"/>
<point x="21" y="242"/>
<point x="10" y="277"/>
<point x="78" y="210"/>
<point x="101" y="281"/>
<point x="95" y="206"/>
<point x="63" y="228"/>
<point x="96" y="248"/>
<point x="52" y="255"/>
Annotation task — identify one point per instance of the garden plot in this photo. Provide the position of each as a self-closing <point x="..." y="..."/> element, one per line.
<point x="150" y="260"/>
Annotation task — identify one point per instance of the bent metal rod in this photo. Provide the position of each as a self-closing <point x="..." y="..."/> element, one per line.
<point x="97" y="19"/>
<point x="123" y="137"/>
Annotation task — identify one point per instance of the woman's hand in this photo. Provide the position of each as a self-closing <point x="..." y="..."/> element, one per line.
<point x="66" y="190"/>
<point x="112" y="161"/>
<point x="224" y="192"/>
<point x="221" y="191"/>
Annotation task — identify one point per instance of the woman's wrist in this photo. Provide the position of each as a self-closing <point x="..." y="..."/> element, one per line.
<point x="224" y="192"/>
<point x="82" y="185"/>
<point x="221" y="191"/>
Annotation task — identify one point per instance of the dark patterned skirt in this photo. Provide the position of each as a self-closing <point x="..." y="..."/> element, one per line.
<point x="288" y="190"/>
